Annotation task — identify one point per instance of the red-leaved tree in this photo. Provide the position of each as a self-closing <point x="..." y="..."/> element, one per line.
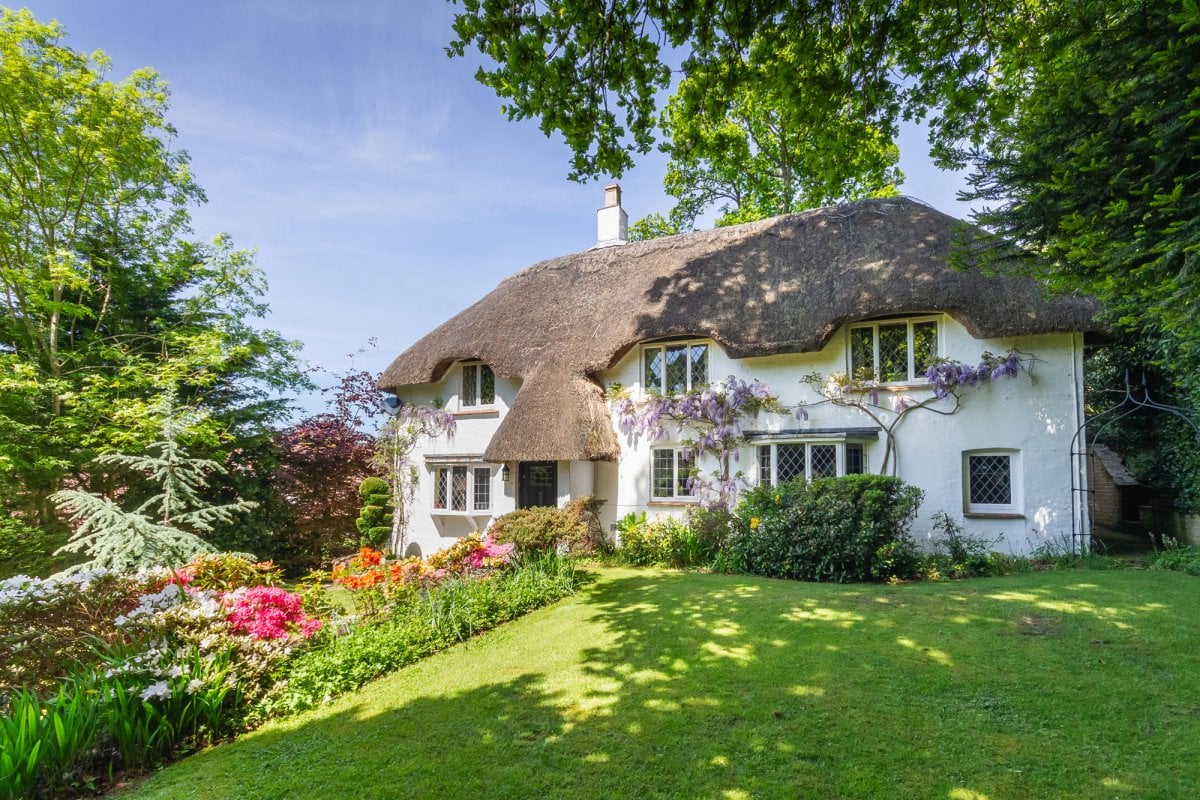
<point x="322" y="459"/>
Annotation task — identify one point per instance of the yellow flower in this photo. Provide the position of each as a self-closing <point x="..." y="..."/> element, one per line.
<point x="776" y="499"/>
<point x="754" y="522"/>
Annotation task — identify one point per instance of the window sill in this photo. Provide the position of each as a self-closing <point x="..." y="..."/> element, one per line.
<point x="993" y="515"/>
<point x="482" y="411"/>
<point x="445" y="512"/>
<point x="673" y="501"/>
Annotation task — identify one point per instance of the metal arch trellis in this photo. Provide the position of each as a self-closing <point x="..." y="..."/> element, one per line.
<point x="1081" y="523"/>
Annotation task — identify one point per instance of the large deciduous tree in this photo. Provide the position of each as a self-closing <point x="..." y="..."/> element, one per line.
<point x="105" y="303"/>
<point x="1080" y="121"/>
<point x="597" y="74"/>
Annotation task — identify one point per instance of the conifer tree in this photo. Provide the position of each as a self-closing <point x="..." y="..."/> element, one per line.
<point x="165" y="529"/>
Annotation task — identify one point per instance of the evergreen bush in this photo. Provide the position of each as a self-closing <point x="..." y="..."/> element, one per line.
<point x="853" y="528"/>
<point x="374" y="521"/>
<point x="538" y="529"/>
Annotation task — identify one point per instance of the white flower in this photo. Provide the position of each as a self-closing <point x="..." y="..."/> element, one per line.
<point x="175" y="671"/>
<point x="156" y="689"/>
<point x="194" y="685"/>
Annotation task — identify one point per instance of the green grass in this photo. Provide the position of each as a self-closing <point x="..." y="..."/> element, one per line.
<point x="1074" y="683"/>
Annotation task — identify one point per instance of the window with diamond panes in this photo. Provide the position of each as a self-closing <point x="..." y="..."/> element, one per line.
<point x="441" y="488"/>
<point x="893" y="352"/>
<point x="789" y="462"/>
<point x="458" y="489"/>
<point x="990" y="480"/>
<point x="675" y="368"/>
<point x="822" y="460"/>
<point x="862" y="352"/>
<point x="482" y="499"/>
<point x="782" y="462"/>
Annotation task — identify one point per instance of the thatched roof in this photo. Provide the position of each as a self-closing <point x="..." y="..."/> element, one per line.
<point x="782" y="285"/>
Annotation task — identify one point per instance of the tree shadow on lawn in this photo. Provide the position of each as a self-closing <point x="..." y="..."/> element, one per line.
<point x="716" y="686"/>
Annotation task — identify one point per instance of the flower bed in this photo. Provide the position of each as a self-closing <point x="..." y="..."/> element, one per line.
<point x="109" y="673"/>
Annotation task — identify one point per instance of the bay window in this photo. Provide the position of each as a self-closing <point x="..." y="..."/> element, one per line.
<point x="460" y="488"/>
<point x="784" y="461"/>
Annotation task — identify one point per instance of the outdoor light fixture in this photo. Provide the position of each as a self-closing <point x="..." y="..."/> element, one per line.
<point x="505" y="473"/>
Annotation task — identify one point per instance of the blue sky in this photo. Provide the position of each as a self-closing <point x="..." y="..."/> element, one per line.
<point x="379" y="183"/>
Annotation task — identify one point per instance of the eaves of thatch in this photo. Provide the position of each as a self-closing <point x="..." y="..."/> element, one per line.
<point x="782" y="285"/>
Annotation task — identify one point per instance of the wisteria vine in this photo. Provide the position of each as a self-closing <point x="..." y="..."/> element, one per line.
<point x="950" y="379"/>
<point x="400" y="437"/>
<point x="711" y="418"/>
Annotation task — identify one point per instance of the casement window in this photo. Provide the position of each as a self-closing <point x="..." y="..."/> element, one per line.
<point x="893" y="351"/>
<point x="478" y="386"/>
<point x="674" y="367"/>
<point x="990" y="481"/>
<point x="784" y="461"/>
<point x="461" y="488"/>
<point x="670" y="470"/>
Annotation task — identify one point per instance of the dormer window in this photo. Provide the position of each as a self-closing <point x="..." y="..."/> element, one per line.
<point x="478" y="386"/>
<point x="672" y="368"/>
<point x="893" y="351"/>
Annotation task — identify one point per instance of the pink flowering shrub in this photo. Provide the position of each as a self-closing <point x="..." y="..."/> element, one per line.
<point x="489" y="553"/>
<point x="267" y="612"/>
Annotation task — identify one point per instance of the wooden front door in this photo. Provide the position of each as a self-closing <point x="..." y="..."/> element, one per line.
<point x="537" y="484"/>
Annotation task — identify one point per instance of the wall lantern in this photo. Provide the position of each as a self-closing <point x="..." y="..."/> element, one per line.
<point x="505" y="473"/>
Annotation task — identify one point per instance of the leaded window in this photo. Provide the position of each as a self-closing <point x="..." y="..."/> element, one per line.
<point x="822" y="460"/>
<point x="675" y="367"/>
<point x="895" y="351"/>
<point x="458" y="488"/>
<point x="786" y="461"/>
<point x="478" y="385"/>
<point x="462" y="488"/>
<point x="990" y="479"/>
<point x="856" y="459"/>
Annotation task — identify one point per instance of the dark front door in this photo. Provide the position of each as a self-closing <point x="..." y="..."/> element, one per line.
<point x="537" y="484"/>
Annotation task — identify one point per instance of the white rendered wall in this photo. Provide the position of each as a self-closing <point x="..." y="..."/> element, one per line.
<point x="1037" y="418"/>
<point x="432" y="529"/>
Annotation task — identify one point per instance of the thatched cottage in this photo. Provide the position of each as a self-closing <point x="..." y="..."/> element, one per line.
<point x="526" y="370"/>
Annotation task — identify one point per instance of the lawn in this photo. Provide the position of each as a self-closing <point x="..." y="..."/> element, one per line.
<point x="1074" y="684"/>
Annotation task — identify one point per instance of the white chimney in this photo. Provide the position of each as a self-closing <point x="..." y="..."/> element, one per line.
<point x="612" y="223"/>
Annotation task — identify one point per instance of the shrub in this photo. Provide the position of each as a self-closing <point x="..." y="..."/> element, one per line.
<point x="538" y="529"/>
<point x="958" y="554"/>
<point x="1177" y="556"/>
<point x="589" y="533"/>
<point x="374" y="521"/>
<point x="665" y="541"/>
<point x="47" y="627"/>
<point x="853" y="528"/>
<point x="227" y="571"/>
